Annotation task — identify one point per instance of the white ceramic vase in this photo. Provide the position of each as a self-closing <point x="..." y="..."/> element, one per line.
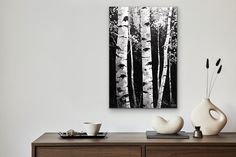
<point x="202" y="116"/>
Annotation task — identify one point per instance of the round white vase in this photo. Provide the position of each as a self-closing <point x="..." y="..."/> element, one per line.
<point x="202" y="116"/>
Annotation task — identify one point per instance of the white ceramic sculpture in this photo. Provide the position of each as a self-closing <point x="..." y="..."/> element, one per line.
<point x="172" y="126"/>
<point x="201" y="116"/>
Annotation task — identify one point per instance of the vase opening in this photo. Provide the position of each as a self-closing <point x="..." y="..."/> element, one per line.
<point x="215" y="115"/>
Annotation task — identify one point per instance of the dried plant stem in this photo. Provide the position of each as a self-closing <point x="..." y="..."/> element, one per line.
<point x="207" y="85"/>
<point x="207" y="67"/>
<point x="212" y="85"/>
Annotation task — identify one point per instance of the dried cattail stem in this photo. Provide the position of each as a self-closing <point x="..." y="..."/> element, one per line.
<point x="207" y="67"/>
<point x="217" y="73"/>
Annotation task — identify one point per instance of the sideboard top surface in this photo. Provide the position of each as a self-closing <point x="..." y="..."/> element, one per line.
<point x="134" y="138"/>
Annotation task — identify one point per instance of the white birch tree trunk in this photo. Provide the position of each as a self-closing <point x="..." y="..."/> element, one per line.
<point x="170" y="84"/>
<point x="146" y="57"/>
<point x="132" y="67"/>
<point x="122" y="93"/>
<point x="158" y="59"/>
<point x="165" y="62"/>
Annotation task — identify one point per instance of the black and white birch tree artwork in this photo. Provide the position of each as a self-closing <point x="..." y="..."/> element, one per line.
<point x="143" y="57"/>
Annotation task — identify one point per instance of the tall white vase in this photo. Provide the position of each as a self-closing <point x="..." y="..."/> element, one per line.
<point x="201" y="116"/>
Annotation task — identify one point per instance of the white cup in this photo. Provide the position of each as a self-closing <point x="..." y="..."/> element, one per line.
<point x="92" y="128"/>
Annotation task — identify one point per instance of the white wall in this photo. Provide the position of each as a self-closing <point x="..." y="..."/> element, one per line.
<point x="54" y="66"/>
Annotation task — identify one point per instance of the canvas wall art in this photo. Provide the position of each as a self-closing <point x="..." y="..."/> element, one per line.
<point x="143" y="57"/>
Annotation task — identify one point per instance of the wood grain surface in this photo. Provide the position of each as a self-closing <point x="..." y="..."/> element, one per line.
<point x="134" y="144"/>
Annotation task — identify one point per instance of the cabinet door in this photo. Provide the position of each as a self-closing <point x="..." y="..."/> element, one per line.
<point x="190" y="151"/>
<point x="89" y="151"/>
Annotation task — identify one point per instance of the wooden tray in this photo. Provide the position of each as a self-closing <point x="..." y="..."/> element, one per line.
<point x="82" y="135"/>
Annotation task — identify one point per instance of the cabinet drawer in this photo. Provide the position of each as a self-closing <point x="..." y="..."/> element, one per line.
<point x="190" y="151"/>
<point x="89" y="151"/>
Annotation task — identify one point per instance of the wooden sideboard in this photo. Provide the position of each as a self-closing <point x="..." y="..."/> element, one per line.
<point x="134" y="145"/>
